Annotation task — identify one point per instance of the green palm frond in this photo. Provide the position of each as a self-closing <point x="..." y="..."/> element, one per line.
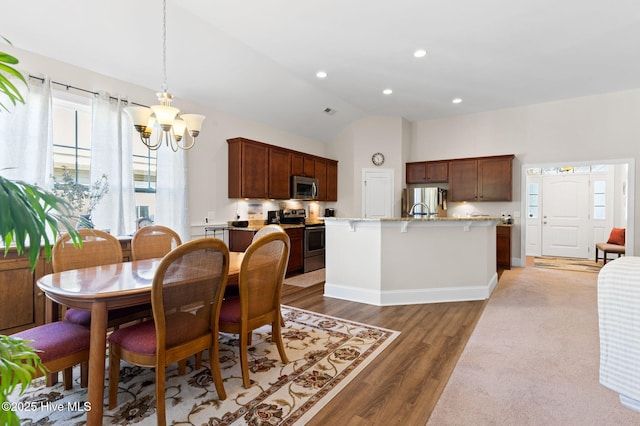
<point x="7" y="88"/>
<point x="31" y="216"/>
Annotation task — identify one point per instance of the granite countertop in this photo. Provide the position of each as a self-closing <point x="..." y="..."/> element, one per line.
<point x="416" y="219"/>
<point x="255" y="225"/>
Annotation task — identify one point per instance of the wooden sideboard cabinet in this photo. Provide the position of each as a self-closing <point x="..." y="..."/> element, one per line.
<point x="21" y="300"/>
<point x="19" y="289"/>
<point x="503" y="246"/>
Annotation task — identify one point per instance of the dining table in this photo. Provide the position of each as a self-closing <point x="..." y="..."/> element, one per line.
<point x="99" y="289"/>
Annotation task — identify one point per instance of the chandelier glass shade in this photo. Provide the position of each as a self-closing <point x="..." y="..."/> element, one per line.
<point x="164" y="118"/>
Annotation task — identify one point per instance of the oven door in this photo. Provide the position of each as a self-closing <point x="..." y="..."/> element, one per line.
<point x="313" y="241"/>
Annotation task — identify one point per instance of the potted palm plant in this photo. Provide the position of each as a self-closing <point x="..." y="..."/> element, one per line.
<point x="29" y="217"/>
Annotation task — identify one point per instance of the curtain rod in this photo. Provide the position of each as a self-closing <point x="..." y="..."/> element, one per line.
<point x="69" y="86"/>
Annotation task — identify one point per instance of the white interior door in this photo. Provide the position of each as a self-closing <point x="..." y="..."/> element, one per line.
<point x="565" y="215"/>
<point x="377" y="193"/>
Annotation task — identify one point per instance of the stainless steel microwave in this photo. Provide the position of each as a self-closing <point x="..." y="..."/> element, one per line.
<point x="304" y="188"/>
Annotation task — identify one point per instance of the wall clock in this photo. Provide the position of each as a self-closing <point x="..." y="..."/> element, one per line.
<point x="377" y="159"/>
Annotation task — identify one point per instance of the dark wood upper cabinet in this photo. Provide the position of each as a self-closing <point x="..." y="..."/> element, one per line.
<point x="259" y="170"/>
<point x="427" y="172"/>
<point x="481" y="179"/>
<point x="248" y="164"/>
<point x="494" y="178"/>
<point x="279" y="173"/>
<point x="332" y="180"/>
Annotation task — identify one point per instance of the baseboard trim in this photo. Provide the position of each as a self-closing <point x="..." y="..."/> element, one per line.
<point x="411" y="296"/>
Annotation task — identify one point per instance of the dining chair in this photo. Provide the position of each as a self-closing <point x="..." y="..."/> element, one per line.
<point x="260" y="284"/>
<point x="61" y="345"/>
<point x="98" y="248"/>
<point x="186" y="296"/>
<point x="267" y="229"/>
<point x="153" y="241"/>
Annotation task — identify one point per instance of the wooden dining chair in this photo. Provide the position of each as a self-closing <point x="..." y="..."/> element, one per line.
<point x="260" y="284"/>
<point x="98" y="248"/>
<point x="186" y="296"/>
<point x="153" y="241"/>
<point x="267" y="229"/>
<point x="61" y="345"/>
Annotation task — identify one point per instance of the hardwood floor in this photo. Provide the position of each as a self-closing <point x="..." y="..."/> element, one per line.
<point x="405" y="381"/>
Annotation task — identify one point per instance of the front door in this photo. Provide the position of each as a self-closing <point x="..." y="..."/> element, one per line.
<point x="565" y="215"/>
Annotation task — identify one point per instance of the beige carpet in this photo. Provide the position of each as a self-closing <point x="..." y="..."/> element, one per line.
<point x="568" y="263"/>
<point x="308" y="279"/>
<point x="533" y="358"/>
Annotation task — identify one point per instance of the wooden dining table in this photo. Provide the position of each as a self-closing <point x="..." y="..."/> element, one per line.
<point x="99" y="289"/>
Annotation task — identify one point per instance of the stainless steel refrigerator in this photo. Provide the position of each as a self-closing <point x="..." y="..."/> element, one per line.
<point x="426" y="202"/>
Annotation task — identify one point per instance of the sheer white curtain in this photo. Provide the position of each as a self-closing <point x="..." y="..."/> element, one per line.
<point x="26" y="137"/>
<point x="172" y="191"/>
<point x="111" y="154"/>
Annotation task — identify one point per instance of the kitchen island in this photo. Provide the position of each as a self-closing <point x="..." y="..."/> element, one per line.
<point x="399" y="261"/>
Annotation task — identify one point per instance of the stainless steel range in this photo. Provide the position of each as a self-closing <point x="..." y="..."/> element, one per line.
<point x="314" y="239"/>
<point x="313" y="247"/>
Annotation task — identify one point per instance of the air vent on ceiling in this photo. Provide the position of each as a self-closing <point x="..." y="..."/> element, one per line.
<point x="329" y="111"/>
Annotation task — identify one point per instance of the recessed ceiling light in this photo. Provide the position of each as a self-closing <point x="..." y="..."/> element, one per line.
<point x="321" y="74"/>
<point x="387" y="91"/>
<point x="456" y="100"/>
<point x="420" y="53"/>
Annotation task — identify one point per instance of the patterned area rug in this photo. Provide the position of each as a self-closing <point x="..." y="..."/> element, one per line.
<point x="568" y="263"/>
<point x="325" y="353"/>
<point x="308" y="279"/>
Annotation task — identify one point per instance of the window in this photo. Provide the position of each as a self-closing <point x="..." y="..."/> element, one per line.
<point x="533" y="199"/>
<point x="72" y="150"/>
<point x="599" y="199"/>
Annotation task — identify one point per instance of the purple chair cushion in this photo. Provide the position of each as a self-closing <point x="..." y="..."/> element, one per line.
<point x="82" y="317"/>
<point x="230" y="311"/>
<point x="57" y="339"/>
<point x="141" y="338"/>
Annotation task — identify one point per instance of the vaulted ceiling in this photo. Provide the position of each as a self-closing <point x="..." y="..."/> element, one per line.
<point x="259" y="58"/>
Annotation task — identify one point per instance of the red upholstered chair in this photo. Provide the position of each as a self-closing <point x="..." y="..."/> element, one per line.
<point x="615" y="244"/>
<point x="186" y="296"/>
<point x="62" y="345"/>
<point x="98" y="248"/>
<point x="260" y="283"/>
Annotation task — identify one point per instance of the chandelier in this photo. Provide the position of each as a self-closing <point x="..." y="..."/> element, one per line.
<point x="172" y="129"/>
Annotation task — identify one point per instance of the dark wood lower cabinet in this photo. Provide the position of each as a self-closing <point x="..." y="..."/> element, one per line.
<point x="503" y="247"/>
<point x="239" y="240"/>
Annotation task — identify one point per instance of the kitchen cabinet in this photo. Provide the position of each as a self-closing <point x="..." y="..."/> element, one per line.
<point x="279" y="173"/>
<point x="503" y="247"/>
<point x="239" y="240"/>
<point x="427" y="172"/>
<point x="481" y="179"/>
<point x="248" y="165"/>
<point x="296" y="259"/>
<point x="258" y="170"/>
<point x="19" y="289"/>
<point x="303" y="165"/>
<point x="332" y="180"/>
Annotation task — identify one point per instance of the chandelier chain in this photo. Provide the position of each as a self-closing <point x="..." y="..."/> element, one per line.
<point x="164" y="45"/>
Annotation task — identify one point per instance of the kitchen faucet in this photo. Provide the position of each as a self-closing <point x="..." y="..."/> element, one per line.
<point x="411" y="211"/>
